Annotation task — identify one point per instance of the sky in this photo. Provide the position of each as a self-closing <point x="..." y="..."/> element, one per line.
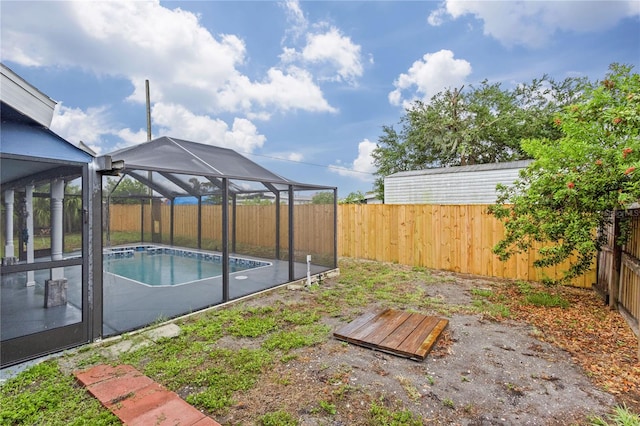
<point x="301" y="88"/>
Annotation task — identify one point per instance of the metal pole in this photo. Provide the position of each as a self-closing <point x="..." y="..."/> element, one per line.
<point x="225" y="239"/>
<point x="146" y="85"/>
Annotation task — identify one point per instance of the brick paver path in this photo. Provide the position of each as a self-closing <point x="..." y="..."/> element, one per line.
<point x="138" y="400"/>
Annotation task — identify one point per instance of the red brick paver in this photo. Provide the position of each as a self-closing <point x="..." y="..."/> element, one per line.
<point x="138" y="400"/>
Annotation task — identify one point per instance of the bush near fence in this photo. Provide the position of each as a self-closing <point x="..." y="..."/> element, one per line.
<point x="456" y="238"/>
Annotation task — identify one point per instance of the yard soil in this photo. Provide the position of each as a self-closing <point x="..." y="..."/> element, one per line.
<point x="542" y="366"/>
<point x="532" y="366"/>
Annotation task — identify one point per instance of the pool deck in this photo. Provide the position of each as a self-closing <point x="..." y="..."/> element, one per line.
<point x="129" y="305"/>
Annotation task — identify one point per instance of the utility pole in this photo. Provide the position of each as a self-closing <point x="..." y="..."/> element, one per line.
<point x="146" y="85"/>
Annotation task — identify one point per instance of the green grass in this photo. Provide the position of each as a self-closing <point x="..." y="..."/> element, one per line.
<point x="305" y="335"/>
<point x="546" y="299"/>
<point x="43" y="395"/>
<point x="195" y="360"/>
<point x="277" y="418"/>
<point x="621" y="416"/>
<point x="224" y="352"/>
<point x="383" y="416"/>
<point x="482" y="292"/>
<point x="366" y="283"/>
<point x="485" y="301"/>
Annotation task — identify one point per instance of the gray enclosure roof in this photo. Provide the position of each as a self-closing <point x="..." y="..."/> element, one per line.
<point x="174" y="161"/>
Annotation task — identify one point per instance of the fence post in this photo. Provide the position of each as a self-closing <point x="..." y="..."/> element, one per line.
<point x="614" y="284"/>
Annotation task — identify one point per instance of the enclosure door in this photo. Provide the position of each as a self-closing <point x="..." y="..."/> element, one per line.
<point x="44" y="299"/>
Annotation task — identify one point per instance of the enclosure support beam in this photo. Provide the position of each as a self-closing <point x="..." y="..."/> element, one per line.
<point x="199" y="222"/>
<point x="335" y="227"/>
<point x="225" y="240"/>
<point x="277" y="225"/>
<point x="28" y="196"/>
<point x="92" y="250"/>
<point x="9" y="251"/>
<point x="234" y="200"/>
<point x="291" y="247"/>
<point x="142" y="220"/>
<point x="173" y="212"/>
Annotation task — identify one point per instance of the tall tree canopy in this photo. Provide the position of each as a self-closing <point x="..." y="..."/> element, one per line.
<point x="473" y="125"/>
<point x="578" y="180"/>
<point x="127" y="191"/>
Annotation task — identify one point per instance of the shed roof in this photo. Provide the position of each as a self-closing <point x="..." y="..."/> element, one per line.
<point x="520" y="164"/>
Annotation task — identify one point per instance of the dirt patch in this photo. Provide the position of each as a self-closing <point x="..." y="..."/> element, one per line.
<point x="481" y="372"/>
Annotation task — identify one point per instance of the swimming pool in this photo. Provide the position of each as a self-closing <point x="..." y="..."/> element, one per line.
<point x="163" y="266"/>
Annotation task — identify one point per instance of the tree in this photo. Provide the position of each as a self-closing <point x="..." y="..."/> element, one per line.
<point x="353" y="198"/>
<point x="482" y="124"/>
<point x="325" y="197"/>
<point x="577" y="181"/>
<point x="128" y="190"/>
<point x="73" y="208"/>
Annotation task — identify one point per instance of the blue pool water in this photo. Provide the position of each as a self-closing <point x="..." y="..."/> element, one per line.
<point x="169" y="267"/>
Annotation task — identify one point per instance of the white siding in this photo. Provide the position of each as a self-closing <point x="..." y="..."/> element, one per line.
<point x="442" y="187"/>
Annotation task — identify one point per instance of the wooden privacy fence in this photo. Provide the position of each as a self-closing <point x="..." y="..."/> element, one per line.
<point x="255" y="225"/>
<point x="456" y="238"/>
<point x="448" y="237"/>
<point x="619" y="267"/>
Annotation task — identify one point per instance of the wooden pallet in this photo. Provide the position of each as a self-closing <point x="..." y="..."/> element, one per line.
<point x="410" y="335"/>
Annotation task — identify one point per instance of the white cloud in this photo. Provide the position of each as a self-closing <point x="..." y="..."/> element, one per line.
<point x="295" y="156"/>
<point x="76" y="125"/>
<point x="295" y="16"/>
<point x="141" y="40"/>
<point x="176" y="120"/>
<point x="362" y="168"/>
<point x="532" y="23"/>
<point x="337" y="50"/>
<point x="328" y="53"/>
<point x="428" y="76"/>
<point x="92" y="128"/>
<point x="436" y="18"/>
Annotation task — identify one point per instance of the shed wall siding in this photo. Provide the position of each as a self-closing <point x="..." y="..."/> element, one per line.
<point x="473" y="187"/>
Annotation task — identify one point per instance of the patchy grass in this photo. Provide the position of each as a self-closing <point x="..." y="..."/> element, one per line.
<point x="225" y="360"/>
<point x="621" y="416"/>
<point x="209" y="374"/>
<point x="43" y="395"/>
<point x="277" y="418"/>
<point x="380" y="415"/>
<point x="487" y="302"/>
<point x="543" y="298"/>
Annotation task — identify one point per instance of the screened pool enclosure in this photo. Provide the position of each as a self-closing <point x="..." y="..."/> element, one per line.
<point x="96" y="246"/>
<point x="187" y="226"/>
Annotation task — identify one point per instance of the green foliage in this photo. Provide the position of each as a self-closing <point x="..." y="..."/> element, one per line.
<point x="43" y="395"/>
<point x="382" y="416"/>
<point x="328" y="408"/>
<point x="353" y="198"/>
<point x="482" y="292"/>
<point x="577" y="181"/>
<point x="621" y="416"/>
<point x="482" y="124"/>
<point x="278" y="418"/>
<point x="545" y="299"/>
<point x="305" y="335"/>
<point x="325" y="197"/>
<point x="125" y="191"/>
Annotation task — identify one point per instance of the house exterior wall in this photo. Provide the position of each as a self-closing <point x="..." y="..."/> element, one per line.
<point x="452" y="185"/>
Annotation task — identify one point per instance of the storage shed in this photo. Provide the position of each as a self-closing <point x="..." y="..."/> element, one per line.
<point x="475" y="184"/>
